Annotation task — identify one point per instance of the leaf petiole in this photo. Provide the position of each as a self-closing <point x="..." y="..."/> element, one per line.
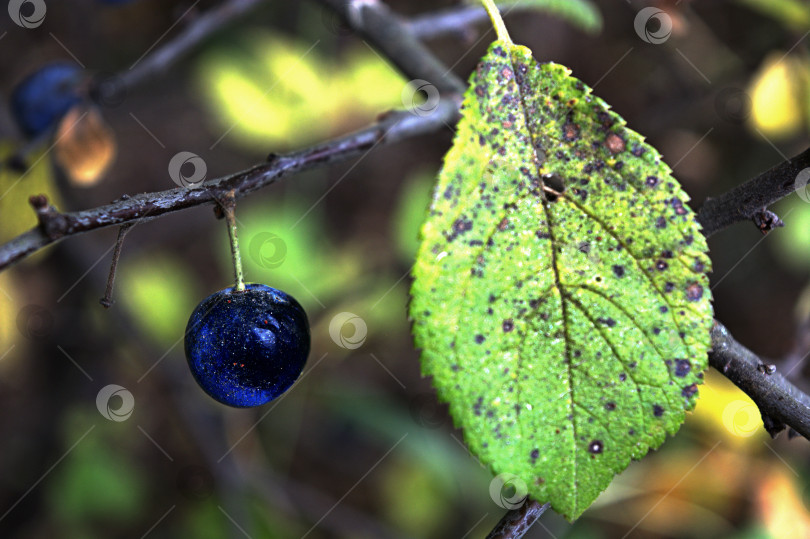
<point x="497" y="21"/>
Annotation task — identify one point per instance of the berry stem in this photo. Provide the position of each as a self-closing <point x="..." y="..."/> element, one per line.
<point x="228" y="208"/>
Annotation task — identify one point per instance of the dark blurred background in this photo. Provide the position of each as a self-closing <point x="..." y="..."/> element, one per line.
<point x="360" y="447"/>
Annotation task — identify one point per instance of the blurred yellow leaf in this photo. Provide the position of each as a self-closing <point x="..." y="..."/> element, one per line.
<point x="84" y="145"/>
<point x="274" y="91"/>
<point x="777" y="96"/>
<point x="724" y="409"/>
<point x="8" y="315"/>
<point x="16" y="215"/>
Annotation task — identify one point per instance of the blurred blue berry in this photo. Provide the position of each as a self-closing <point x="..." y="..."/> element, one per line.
<point x="41" y="99"/>
<point x="247" y="348"/>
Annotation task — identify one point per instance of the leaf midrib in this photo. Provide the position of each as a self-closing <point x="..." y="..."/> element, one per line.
<point x="556" y="269"/>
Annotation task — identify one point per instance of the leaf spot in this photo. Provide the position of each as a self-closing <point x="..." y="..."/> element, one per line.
<point x="694" y="292"/>
<point x="614" y="143"/>
<point x="682" y="367"/>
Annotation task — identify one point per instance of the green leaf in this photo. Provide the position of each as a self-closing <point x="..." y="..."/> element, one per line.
<point x="560" y="295"/>
<point x="581" y="13"/>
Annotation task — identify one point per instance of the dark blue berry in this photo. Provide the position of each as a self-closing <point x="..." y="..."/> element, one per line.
<point x="41" y="99"/>
<point x="247" y="348"/>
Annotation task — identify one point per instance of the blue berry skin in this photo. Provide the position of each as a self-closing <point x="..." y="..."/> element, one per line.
<point x="42" y="98"/>
<point x="247" y="348"/>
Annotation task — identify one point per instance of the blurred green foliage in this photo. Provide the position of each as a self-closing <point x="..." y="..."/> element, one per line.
<point x="161" y="292"/>
<point x="793" y="14"/>
<point x="791" y="245"/>
<point x="99" y="483"/>
<point x="413" y="204"/>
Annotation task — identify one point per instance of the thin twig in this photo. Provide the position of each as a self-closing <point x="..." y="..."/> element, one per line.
<point x="109" y="90"/>
<point x="391" y="128"/>
<point x="107" y="300"/>
<point x="193" y="35"/>
<point x="516" y="523"/>
<point x="745" y="202"/>
<point x="780" y="402"/>
<point x="448" y="21"/>
<point x="393" y="37"/>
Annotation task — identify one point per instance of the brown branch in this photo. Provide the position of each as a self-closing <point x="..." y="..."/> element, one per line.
<point x="748" y="201"/>
<point x="449" y="21"/>
<point x="109" y="90"/>
<point x="384" y="29"/>
<point x="392" y="36"/>
<point x="391" y="128"/>
<point x="780" y="402"/>
<point x="516" y="523"/>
